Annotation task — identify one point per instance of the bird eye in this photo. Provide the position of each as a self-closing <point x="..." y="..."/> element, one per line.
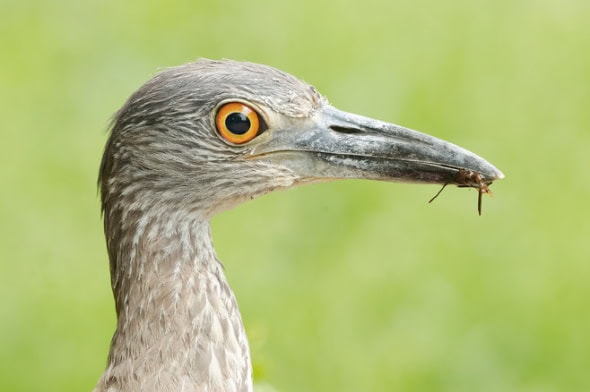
<point x="237" y="122"/>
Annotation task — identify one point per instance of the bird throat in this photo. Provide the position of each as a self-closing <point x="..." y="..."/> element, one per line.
<point x="178" y="322"/>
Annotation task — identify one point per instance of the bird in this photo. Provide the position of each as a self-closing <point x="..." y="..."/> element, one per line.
<point x="201" y="138"/>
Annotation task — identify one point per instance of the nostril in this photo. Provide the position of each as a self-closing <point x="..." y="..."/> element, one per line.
<point x="348" y="130"/>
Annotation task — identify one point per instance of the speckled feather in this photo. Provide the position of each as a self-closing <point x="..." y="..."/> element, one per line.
<point x="164" y="173"/>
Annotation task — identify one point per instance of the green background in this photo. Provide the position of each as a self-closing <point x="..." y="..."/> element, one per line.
<point x="346" y="286"/>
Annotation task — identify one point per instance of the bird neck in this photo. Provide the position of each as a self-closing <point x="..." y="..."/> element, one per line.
<point x="178" y="322"/>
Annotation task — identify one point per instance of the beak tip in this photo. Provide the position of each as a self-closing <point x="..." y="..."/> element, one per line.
<point x="486" y="169"/>
<point x="498" y="175"/>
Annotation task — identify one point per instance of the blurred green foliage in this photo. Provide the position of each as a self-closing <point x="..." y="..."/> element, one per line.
<point x="348" y="286"/>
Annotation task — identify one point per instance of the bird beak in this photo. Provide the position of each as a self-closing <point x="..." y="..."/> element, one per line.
<point x="334" y="144"/>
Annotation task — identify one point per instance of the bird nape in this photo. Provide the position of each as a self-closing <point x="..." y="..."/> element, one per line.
<point x="200" y="138"/>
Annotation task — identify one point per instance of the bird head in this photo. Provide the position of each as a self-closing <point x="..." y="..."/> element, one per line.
<point x="208" y="135"/>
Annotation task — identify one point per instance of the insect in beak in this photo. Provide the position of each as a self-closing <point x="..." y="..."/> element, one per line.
<point x="469" y="179"/>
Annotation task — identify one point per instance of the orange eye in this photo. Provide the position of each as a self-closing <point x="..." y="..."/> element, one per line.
<point x="237" y="122"/>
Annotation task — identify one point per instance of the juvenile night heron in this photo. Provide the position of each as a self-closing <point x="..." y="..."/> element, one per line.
<point x="198" y="139"/>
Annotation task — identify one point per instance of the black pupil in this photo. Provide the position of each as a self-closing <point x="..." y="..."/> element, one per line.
<point x="237" y="123"/>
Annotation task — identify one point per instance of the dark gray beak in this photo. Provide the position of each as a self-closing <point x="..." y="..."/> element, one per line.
<point x="334" y="144"/>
